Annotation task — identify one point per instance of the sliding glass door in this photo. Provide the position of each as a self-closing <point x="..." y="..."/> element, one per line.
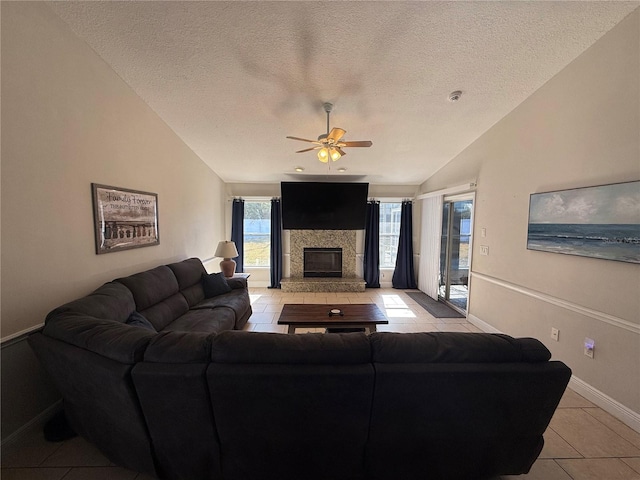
<point x="455" y="251"/>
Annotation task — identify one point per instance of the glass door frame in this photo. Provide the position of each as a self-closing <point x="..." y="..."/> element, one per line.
<point x="470" y="196"/>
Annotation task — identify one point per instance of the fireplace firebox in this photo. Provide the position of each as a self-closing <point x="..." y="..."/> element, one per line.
<point x="322" y="262"/>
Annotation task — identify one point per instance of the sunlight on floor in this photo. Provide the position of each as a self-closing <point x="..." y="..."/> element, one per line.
<point x="399" y="313"/>
<point x="395" y="307"/>
<point x="393" y="301"/>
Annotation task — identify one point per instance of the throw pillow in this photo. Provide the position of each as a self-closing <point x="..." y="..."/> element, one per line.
<point x="137" y="320"/>
<point x="214" y="284"/>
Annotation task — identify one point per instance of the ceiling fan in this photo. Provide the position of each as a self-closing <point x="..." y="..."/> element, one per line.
<point x="329" y="145"/>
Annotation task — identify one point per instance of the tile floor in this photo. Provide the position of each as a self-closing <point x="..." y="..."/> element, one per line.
<point x="582" y="442"/>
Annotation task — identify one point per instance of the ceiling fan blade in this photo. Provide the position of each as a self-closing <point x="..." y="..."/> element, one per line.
<point x="307" y="149"/>
<point x="361" y="143"/>
<point x="342" y="152"/>
<point x="302" y="139"/>
<point x="336" y="134"/>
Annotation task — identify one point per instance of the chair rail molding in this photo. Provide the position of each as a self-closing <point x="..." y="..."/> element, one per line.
<point x="589" y="312"/>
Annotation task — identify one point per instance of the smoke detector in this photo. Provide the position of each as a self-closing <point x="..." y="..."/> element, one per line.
<point x="455" y="96"/>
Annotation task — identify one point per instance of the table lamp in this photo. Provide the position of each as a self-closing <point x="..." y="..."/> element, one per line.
<point x="227" y="250"/>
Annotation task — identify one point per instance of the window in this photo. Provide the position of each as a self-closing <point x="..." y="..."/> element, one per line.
<point x="389" y="233"/>
<point x="257" y="233"/>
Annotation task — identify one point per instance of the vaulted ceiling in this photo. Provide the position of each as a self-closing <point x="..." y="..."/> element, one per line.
<point x="233" y="79"/>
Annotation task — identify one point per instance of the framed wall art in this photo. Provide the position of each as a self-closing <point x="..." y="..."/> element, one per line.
<point x="600" y="222"/>
<point x="124" y="219"/>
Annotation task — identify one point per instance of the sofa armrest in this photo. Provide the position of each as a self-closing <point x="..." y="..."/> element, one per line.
<point x="108" y="338"/>
<point x="237" y="282"/>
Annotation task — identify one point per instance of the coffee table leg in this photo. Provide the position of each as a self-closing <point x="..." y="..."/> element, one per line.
<point x="372" y="328"/>
<point x="292" y="329"/>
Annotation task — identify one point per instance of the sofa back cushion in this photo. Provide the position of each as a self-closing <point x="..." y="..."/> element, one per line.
<point x="490" y="396"/>
<point x="453" y="347"/>
<point x="188" y="274"/>
<point x="303" y="400"/>
<point x="425" y="414"/>
<point x="272" y="348"/>
<point x="112" y="301"/>
<point x="151" y="286"/>
<point x="156" y="295"/>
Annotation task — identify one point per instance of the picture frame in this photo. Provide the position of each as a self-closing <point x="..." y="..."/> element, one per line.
<point x="124" y="218"/>
<point x="600" y="222"/>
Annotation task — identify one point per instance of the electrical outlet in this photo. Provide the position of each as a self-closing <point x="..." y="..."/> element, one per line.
<point x="484" y="249"/>
<point x="555" y="334"/>
<point x="589" y="346"/>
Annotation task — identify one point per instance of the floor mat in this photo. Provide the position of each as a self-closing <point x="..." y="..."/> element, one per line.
<point x="435" y="308"/>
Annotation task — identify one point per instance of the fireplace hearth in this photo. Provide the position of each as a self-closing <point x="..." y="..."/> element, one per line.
<point x="322" y="262"/>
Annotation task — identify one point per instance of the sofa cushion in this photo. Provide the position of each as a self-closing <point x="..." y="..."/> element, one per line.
<point x="208" y="321"/>
<point x="163" y="313"/>
<point x="454" y="347"/>
<point x="237" y="299"/>
<point x="257" y="347"/>
<point x="179" y="347"/>
<point x="136" y="319"/>
<point x="293" y="406"/>
<point x="214" y="284"/>
<point x="151" y="286"/>
<point x="189" y="275"/>
<point x="111" y="301"/>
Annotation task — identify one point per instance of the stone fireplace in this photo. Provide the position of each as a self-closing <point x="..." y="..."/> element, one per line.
<point x="344" y="240"/>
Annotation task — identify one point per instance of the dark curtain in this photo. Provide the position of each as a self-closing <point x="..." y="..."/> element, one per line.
<point x="372" y="245"/>
<point x="403" y="276"/>
<point x="237" y="231"/>
<point x="276" y="243"/>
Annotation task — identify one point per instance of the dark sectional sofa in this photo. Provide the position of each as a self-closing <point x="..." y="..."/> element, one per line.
<point x="213" y="403"/>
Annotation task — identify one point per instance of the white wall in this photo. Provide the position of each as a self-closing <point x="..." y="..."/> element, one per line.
<point x="582" y="128"/>
<point x="68" y="120"/>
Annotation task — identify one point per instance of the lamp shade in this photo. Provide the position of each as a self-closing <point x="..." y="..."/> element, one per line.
<point x="226" y="249"/>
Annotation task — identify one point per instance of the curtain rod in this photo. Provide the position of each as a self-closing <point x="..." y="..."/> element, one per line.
<point x="256" y="198"/>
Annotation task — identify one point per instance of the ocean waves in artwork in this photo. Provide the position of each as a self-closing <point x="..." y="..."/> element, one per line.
<point x="619" y="242"/>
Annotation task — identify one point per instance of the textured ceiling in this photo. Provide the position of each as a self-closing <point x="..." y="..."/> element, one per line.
<point x="232" y="79"/>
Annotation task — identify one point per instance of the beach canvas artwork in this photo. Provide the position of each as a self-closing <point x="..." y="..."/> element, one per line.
<point x="601" y="222"/>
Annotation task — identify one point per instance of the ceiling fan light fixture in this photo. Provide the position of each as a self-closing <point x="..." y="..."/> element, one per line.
<point x="330" y="144"/>
<point x="323" y="155"/>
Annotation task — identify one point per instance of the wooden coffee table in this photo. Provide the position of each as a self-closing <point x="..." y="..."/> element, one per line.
<point x="361" y="315"/>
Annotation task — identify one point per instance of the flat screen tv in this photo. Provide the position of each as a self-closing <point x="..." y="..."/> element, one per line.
<point x="324" y="206"/>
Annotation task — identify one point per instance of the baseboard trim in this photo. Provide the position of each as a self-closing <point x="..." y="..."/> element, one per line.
<point x="595" y="396"/>
<point x="604" y="401"/>
<point x="40" y="419"/>
<point x="481" y="324"/>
